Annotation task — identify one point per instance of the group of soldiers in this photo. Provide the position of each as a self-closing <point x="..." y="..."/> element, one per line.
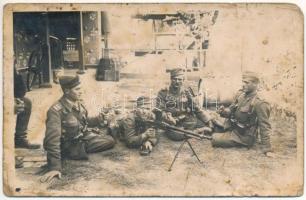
<point x="72" y="134"/>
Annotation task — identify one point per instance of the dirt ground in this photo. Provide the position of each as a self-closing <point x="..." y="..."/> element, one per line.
<point x="123" y="172"/>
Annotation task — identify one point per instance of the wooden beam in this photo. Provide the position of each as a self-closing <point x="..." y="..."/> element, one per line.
<point x="81" y="43"/>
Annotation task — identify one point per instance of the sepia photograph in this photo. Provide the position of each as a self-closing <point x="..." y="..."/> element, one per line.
<point x="153" y="100"/>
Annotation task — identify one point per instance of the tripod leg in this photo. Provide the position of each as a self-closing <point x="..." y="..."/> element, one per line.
<point x="194" y="153"/>
<point x="178" y="151"/>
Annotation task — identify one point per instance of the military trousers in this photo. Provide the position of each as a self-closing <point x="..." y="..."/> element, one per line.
<point x="23" y="119"/>
<point x="91" y="142"/>
<point x="232" y="138"/>
<point x="98" y="142"/>
<point x="190" y="123"/>
<point x="135" y="142"/>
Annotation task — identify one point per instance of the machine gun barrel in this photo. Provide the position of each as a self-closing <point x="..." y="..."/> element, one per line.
<point x="187" y="133"/>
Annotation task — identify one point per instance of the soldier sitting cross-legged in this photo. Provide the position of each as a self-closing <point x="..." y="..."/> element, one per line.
<point x="246" y="117"/>
<point x="70" y="133"/>
<point x="180" y="109"/>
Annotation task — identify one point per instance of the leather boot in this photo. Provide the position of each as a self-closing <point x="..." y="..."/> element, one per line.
<point x="25" y="144"/>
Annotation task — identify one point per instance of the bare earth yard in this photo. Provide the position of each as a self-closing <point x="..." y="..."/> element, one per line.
<point x="123" y="172"/>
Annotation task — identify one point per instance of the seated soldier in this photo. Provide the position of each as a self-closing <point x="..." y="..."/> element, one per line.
<point x="70" y="133"/>
<point x="248" y="114"/>
<point x="180" y="109"/>
<point x="135" y="131"/>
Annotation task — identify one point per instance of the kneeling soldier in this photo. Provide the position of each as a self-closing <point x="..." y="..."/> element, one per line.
<point x="246" y="116"/>
<point x="69" y="133"/>
<point x="135" y="130"/>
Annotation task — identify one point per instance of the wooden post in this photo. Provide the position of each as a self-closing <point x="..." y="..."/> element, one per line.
<point x="81" y="53"/>
<point x="47" y="71"/>
<point x="155" y="37"/>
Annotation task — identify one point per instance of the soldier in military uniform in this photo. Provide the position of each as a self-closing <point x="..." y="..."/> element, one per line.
<point x="70" y="133"/>
<point x="135" y="130"/>
<point x="179" y="107"/>
<point x="23" y="109"/>
<point x="246" y="116"/>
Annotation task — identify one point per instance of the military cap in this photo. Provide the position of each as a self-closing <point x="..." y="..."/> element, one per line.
<point x="143" y="100"/>
<point x="68" y="82"/>
<point x="249" y="75"/>
<point x="176" y="72"/>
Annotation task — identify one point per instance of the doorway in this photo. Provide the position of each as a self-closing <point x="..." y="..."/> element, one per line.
<point x="58" y="36"/>
<point x="64" y="37"/>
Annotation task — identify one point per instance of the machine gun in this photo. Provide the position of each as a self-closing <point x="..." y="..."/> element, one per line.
<point x="187" y="133"/>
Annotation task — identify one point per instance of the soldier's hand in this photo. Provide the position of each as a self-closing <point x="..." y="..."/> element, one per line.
<point x="170" y="119"/>
<point x="224" y="112"/>
<point x="188" y="94"/>
<point x="47" y="178"/>
<point x="203" y="130"/>
<point x="145" y="115"/>
<point x="101" y="119"/>
<point x="18" y="106"/>
<point x="270" y="154"/>
<point x="151" y="133"/>
<point x="150" y="115"/>
<point x="106" y="118"/>
<point x="148" y="145"/>
<point x="220" y="109"/>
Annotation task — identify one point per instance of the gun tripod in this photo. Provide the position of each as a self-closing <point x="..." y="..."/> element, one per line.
<point x="179" y="150"/>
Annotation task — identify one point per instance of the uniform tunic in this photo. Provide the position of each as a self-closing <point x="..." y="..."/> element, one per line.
<point x="131" y="130"/>
<point x="247" y="115"/>
<point x="66" y="125"/>
<point x="180" y="105"/>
